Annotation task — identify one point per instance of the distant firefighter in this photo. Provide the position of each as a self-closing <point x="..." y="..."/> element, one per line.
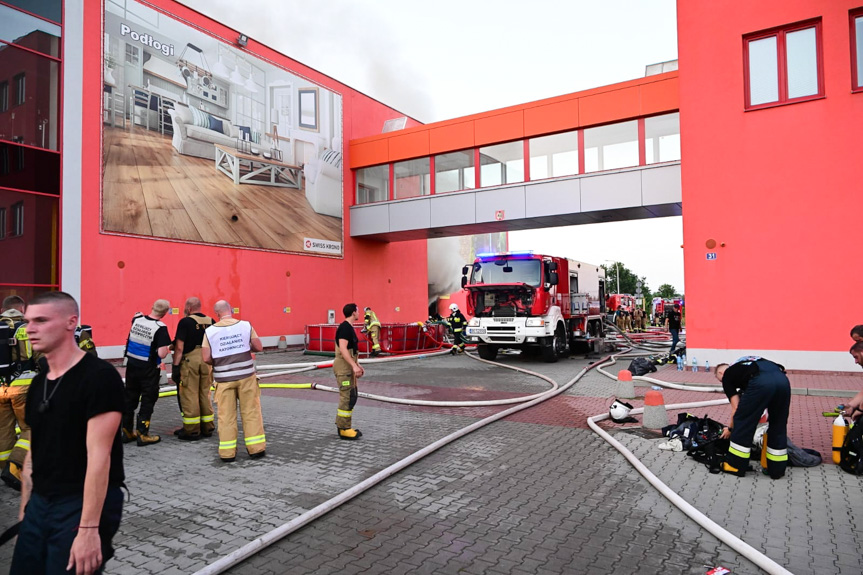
<point x="373" y="327"/>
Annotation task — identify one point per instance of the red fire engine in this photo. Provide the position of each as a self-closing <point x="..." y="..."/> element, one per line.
<point x="620" y="300"/>
<point x="529" y="301"/>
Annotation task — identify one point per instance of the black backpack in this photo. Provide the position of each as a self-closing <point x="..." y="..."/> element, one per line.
<point x="641" y="366"/>
<point x="9" y="351"/>
<point x="851" y="456"/>
<point x="707" y="447"/>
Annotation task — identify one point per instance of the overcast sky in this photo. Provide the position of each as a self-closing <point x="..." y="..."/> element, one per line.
<point x="440" y="60"/>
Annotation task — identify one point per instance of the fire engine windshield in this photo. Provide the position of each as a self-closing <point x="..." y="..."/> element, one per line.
<point x="505" y="271"/>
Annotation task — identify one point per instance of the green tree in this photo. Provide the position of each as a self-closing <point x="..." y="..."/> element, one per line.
<point x="665" y="291"/>
<point x="628" y="280"/>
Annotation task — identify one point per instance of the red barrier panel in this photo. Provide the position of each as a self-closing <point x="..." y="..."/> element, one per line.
<point x="396" y="338"/>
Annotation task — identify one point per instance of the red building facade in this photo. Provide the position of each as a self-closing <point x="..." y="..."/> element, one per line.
<point x="771" y="109"/>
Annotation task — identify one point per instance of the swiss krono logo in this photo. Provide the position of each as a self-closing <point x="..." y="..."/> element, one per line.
<point x="323" y="246"/>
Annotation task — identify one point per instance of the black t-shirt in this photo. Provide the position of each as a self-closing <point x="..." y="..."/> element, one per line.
<point x="59" y="436"/>
<point x="346" y="331"/>
<point x="736" y="378"/>
<point x="674" y="319"/>
<point x="190" y="332"/>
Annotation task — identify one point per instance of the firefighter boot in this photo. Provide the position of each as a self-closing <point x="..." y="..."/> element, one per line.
<point x="726" y="468"/>
<point x="11" y="476"/>
<point x="143" y="435"/>
<point x="350" y="434"/>
<point x="128" y="436"/>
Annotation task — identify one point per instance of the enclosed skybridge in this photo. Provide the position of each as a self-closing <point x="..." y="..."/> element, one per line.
<point x="608" y="154"/>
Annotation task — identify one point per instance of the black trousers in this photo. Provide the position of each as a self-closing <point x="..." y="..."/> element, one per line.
<point x="142" y="386"/>
<point x="769" y="389"/>
<point x="50" y="526"/>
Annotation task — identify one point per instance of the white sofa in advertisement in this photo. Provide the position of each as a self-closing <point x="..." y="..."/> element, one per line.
<point x="196" y="133"/>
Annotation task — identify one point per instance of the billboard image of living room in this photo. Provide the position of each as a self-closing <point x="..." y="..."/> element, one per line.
<point x="204" y="142"/>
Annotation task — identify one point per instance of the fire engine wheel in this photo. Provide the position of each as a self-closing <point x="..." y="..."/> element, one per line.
<point x="487" y="352"/>
<point x="557" y="347"/>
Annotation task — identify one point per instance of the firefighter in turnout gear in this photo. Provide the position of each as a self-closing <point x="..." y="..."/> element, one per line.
<point x="18" y="367"/>
<point x="146" y="347"/>
<point x="347" y="369"/>
<point x="638" y="319"/>
<point x="192" y="376"/>
<point x="753" y="384"/>
<point x="228" y="347"/>
<point x="458" y="323"/>
<point x="373" y="327"/>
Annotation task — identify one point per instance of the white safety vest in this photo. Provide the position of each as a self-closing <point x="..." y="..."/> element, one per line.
<point x="141" y="338"/>
<point x="231" y="350"/>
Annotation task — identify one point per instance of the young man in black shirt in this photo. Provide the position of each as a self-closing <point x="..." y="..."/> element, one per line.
<point x="347" y="369"/>
<point x="751" y="385"/>
<point x="71" y="498"/>
<point x="672" y="324"/>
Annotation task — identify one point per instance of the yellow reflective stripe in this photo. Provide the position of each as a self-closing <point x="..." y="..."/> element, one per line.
<point x="227" y="444"/>
<point x="741" y="454"/>
<point x="17" y="430"/>
<point x="739" y="448"/>
<point x="777" y="454"/>
<point x="376" y="346"/>
<point x="191" y="420"/>
<point x="23" y="444"/>
<point x="4" y="455"/>
<point x="346" y="383"/>
<point x="20" y="382"/>
<point x="207" y="418"/>
<point x="256" y="439"/>
<point x="343" y="413"/>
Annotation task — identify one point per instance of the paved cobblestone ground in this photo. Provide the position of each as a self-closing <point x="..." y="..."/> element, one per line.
<point x="535" y="493"/>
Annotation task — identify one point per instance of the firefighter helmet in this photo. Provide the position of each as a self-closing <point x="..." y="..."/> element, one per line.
<point x="453" y="307"/>
<point x="619" y="410"/>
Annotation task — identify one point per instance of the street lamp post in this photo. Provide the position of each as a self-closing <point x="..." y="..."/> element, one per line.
<point x="617" y="268"/>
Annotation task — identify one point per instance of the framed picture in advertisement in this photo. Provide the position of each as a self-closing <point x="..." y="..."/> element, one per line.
<point x="308" y="108"/>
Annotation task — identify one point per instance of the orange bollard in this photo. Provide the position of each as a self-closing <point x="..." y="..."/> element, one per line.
<point x="625" y="386"/>
<point x="283" y="342"/>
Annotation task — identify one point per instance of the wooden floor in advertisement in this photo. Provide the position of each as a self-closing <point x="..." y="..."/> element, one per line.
<point x="151" y="189"/>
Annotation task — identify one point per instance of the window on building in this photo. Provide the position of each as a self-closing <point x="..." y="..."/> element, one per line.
<point x="2" y="223"/>
<point x="373" y="184"/>
<point x="454" y="171"/>
<point x="411" y="178"/>
<point x="857" y="50"/>
<point x="783" y="65"/>
<point x="20" y="89"/>
<point x="554" y="156"/>
<point x="611" y="147"/>
<point x="501" y="164"/>
<point x="18" y="219"/>
<point x="662" y="138"/>
<point x="4" y="96"/>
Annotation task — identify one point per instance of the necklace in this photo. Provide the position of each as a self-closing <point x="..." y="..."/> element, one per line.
<point x="45" y="404"/>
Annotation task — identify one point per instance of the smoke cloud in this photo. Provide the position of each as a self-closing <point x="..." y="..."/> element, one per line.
<point x="444" y="266"/>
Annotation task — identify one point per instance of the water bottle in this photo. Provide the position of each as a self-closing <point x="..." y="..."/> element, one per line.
<point x="694" y="364"/>
<point x="707" y="366"/>
<point x="677" y="361"/>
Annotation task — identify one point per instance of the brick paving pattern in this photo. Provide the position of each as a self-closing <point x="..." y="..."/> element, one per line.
<point x="535" y="493"/>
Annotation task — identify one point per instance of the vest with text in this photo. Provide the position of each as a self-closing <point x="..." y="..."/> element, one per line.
<point x="230" y="347"/>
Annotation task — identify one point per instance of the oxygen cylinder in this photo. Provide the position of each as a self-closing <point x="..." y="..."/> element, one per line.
<point x="764" y="451"/>
<point x="840" y="429"/>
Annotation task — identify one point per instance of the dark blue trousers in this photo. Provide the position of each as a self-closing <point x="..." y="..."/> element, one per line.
<point x="675" y="337"/>
<point x="769" y="389"/>
<point x="50" y="526"/>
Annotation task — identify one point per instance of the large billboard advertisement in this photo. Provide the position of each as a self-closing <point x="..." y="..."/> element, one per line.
<point x="205" y="142"/>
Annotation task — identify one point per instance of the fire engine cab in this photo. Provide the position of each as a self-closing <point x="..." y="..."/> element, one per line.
<point x="531" y="302"/>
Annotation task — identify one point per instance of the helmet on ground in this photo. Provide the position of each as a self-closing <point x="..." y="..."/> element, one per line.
<point x="453" y="307"/>
<point x="619" y="410"/>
